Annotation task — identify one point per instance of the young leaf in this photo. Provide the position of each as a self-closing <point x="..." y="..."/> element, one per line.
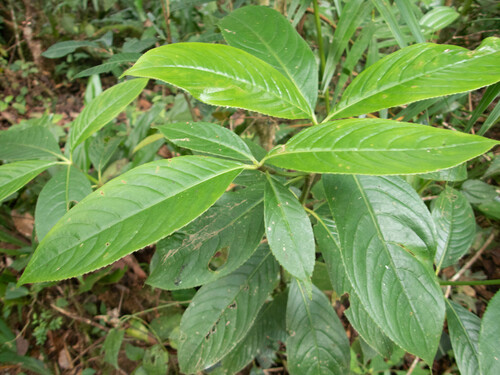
<point x="387" y="243"/>
<point x="222" y="312"/>
<point x="206" y="137"/>
<point x="103" y="109"/>
<point x="419" y="72"/>
<point x="455" y="226"/>
<point x="489" y="350"/>
<point x="288" y="230"/>
<point x="266" y="34"/>
<point x="376" y="147"/>
<point x="132" y="211"/>
<point x="232" y="228"/>
<point x="14" y="176"/>
<point x="35" y="142"/>
<point x="464" y="333"/>
<point x="317" y="343"/>
<point x="67" y="187"/>
<point x="224" y="76"/>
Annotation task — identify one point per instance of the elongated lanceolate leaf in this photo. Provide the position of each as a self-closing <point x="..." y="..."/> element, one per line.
<point x="489" y="350"/>
<point x="387" y="243"/>
<point x="134" y="210"/>
<point x="222" y="312"/>
<point x="464" y="334"/>
<point x="455" y="226"/>
<point x="64" y="190"/>
<point x="376" y="147"/>
<point x="35" y="142"/>
<point x="206" y="137"/>
<point x="288" y="230"/>
<point x="62" y="49"/>
<point x="232" y="229"/>
<point x="14" y="176"/>
<point x="417" y="72"/>
<point x="224" y="76"/>
<point x="317" y="343"/>
<point x="266" y="34"/>
<point x="458" y="173"/>
<point x="103" y="109"/>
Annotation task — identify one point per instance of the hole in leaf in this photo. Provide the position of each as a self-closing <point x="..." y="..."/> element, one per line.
<point x="219" y="259"/>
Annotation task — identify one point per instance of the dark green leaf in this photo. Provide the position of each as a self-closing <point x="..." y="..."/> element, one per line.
<point x="62" y="49"/>
<point x="35" y="142"/>
<point x="458" y="173"/>
<point x="111" y="346"/>
<point x="102" y="149"/>
<point x="477" y="191"/>
<point x="113" y="62"/>
<point x="489" y="350"/>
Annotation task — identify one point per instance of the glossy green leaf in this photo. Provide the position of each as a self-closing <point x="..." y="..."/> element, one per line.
<point x="489" y="96"/>
<point x="208" y="138"/>
<point x="438" y="18"/>
<point x="212" y="246"/>
<point x="14" y="176"/>
<point x="266" y="34"/>
<point x="317" y="343"/>
<point x="407" y="14"/>
<point x="224" y="76"/>
<point x="388" y="13"/>
<point x="113" y="62"/>
<point x="66" y="188"/>
<point x="288" y="230"/>
<point x="419" y="72"/>
<point x="222" y="312"/>
<point x="35" y="142"/>
<point x="455" y="227"/>
<point x="328" y="243"/>
<point x="464" y="334"/>
<point x="477" y="191"/>
<point x="132" y="211"/>
<point x="111" y="346"/>
<point x="387" y="243"/>
<point x="489" y="350"/>
<point x="103" y="109"/>
<point x="376" y="147"/>
<point x="458" y="173"/>
<point x="269" y="327"/>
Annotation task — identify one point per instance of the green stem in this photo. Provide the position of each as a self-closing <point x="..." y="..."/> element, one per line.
<point x="470" y="282"/>
<point x="307" y="188"/>
<point x="321" y="51"/>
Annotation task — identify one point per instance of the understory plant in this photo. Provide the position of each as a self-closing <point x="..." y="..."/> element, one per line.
<point x="252" y="228"/>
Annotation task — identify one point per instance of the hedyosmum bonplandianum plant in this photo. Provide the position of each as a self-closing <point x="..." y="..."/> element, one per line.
<point x="368" y="225"/>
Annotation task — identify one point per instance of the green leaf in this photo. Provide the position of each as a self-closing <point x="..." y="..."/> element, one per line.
<point x="458" y="173"/>
<point x="464" y="333"/>
<point x="103" y="109"/>
<point x="35" y="142"/>
<point x="155" y="360"/>
<point x="110" y="64"/>
<point x="388" y="13"/>
<point x="132" y="211"/>
<point x="229" y="232"/>
<point x="102" y="149"/>
<point x="489" y="350"/>
<point x="376" y="147"/>
<point x="62" y="49"/>
<point x="222" y="312"/>
<point x="266" y="34"/>
<point x="408" y="15"/>
<point x="14" y="176"/>
<point x="208" y="138"/>
<point x="111" y="346"/>
<point x="477" y="191"/>
<point x="288" y="230"/>
<point x="66" y="188"/>
<point x="224" y="76"/>
<point x="455" y="227"/>
<point x="438" y="18"/>
<point x="387" y="243"/>
<point x="317" y="343"/>
<point x="417" y="72"/>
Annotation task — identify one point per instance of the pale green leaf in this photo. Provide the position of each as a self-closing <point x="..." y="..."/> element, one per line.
<point x="103" y="109"/>
<point x="288" y="230"/>
<point x="489" y="350"/>
<point x="266" y="34"/>
<point x="477" y="191"/>
<point x="388" y="13"/>
<point x="317" y="343"/>
<point x="224" y="76"/>
<point x="222" y="312"/>
<point x="228" y="233"/>
<point x="407" y="14"/>
<point x="455" y="227"/>
<point x="464" y="334"/>
<point x="35" y="142"/>
<point x="208" y="138"/>
<point x="112" y="345"/>
<point x="14" y="176"/>
<point x="419" y="72"/>
<point x="438" y="18"/>
<point x="128" y="213"/>
<point x="387" y="243"/>
<point x="65" y="189"/>
<point x="376" y="147"/>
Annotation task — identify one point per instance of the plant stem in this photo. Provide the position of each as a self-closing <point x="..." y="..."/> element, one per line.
<point x="470" y="282"/>
<point x="321" y="51"/>
<point x="307" y="188"/>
